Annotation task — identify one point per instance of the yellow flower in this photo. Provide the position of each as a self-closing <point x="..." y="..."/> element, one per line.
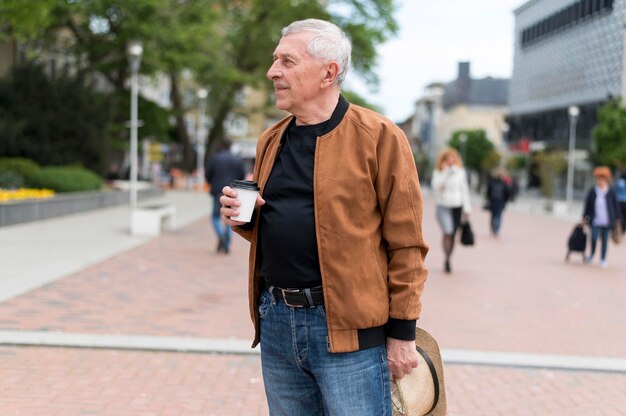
<point x="24" y="194"/>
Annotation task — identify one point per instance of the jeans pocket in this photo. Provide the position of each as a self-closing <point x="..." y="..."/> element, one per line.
<point x="266" y="302"/>
<point x="321" y="309"/>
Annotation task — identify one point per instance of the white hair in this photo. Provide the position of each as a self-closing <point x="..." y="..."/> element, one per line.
<point x="328" y="42"/>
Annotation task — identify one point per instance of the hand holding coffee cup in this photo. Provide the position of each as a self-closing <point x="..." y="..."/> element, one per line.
<point x="238" y="202"/>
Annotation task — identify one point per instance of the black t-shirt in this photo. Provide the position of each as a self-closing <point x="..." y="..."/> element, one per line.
<point x="287" y="238"/>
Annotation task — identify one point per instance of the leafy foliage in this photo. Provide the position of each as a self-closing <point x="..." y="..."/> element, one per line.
<point x="357" y="99"/>
<point x="490" y="161"/>
<point x="10" y="180"/>
<point x="609" y="135"/>
<point x="477" y="146"/>
<point x="224" y="44"/>
<point x="53" y="121"/>
<point x="66" y="179"/>
<point x="21" y="22"/>
<point x="25" y="168"/>
<point x="252" y="31"/>
<point x="549" y="166"/>
<point x="156" y="125"/>
<point x="516" y="163"/>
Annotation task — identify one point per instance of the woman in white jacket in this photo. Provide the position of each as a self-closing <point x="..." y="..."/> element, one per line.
<point x="449" y="184"/>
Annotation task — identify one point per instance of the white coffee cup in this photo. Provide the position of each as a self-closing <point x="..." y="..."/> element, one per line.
<point x="247" y="192"/>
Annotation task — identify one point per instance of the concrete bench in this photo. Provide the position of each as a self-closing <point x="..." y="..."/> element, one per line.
<point x="149" y="221"/>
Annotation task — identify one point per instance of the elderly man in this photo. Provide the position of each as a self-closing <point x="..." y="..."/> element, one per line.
<point x="337" y="255"/>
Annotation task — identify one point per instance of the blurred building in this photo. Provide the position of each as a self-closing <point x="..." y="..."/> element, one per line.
<point x="421" y="127"/>
<point x="253" y="113"/>
<point x="52" y="57"/>
<point x="463" y="104"/>
<point x="471" y="104"/>
<point x="567" y="52"/>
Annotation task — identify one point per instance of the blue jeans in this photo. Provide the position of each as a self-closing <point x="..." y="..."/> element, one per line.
<point x="303" y="378"/>
<point x="604" y="233"/>
<point x="222" y="230"/>
<point x="496" y="217"/>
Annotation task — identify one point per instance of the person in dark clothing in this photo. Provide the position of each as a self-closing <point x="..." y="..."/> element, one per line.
<point x="601" y="212"/>
<point x="498" y="193"/>
<point x="620" y="191"/>
<point x="336" y="246"/>
<point x="512" y="184"/>
<point x="223" y="168"/>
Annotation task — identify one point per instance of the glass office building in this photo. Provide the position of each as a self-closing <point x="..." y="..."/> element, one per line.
<point x="567" y="52"/>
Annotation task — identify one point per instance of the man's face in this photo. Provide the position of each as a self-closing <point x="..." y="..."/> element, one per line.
<point x="297" y="76"/>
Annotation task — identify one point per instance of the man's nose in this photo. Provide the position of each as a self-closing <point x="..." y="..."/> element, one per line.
<point x="273" y="72"/>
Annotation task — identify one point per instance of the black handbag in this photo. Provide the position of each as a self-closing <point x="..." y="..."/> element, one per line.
<point x="577" y="241"/>
<point x="467" y="235"/>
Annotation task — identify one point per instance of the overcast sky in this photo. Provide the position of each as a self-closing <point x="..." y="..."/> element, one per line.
<point x="433" y="37"/>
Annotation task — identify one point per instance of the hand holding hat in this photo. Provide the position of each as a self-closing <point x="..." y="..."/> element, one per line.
<point x="422" y="392"/>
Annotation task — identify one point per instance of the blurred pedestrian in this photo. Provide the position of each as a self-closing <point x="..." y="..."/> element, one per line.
<point x="223" y="168"/>
<point x="337" y="253"/>
<point x="512" y="184"/>
<point x="449" y="184"/>
<point x="620" y="191"/>
<point x="601" y="212"/>
<point x="498" y="194"/>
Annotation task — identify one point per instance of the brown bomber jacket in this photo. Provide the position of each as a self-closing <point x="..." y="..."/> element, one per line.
<point x="368" y="216"/>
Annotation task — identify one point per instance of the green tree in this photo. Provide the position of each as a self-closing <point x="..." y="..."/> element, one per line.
<point x="176" y="35"/>
<point x="357" y="99"/>
<point x="53" y="122"/>
<point x="252" y="31"/>
<point x="517" y="163"/>
<point x="550" y="165"/>
<point x="226" y="44"/>
<point x="477" y="146"/>
<point x="609" y="135"/>
<point x="25" y="22"/>
<point x="490" y="161"/>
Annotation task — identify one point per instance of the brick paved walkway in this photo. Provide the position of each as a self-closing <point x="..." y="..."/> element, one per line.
<point x="73" y="382"/>
<point x="516" y="293"/>
<point x="174" y="285"/>
<point x="512" y="294"/>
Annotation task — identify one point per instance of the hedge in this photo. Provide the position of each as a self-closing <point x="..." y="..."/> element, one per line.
<point x="10" y="180"/>
<point x="66" y="179"/>
<point x="22" y="167"/>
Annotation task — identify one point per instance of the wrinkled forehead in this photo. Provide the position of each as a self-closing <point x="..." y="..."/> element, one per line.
<point x="295" y="44"/>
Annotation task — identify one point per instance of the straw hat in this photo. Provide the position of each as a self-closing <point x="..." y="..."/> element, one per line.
<point x="602" y="172"/>
<point x="423" y="391"/>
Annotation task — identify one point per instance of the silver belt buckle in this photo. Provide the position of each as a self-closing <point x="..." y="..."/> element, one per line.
<point x="285" y="297"/>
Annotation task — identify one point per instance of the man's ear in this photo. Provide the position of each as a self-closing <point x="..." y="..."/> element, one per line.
<point x="331" y="72"/>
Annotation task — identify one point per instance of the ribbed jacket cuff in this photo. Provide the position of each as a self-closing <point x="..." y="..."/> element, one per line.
<point x="401" y="329"/>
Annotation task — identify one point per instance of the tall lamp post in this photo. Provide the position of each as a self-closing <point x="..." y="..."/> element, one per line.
<point x="201" y="132"/>
<point x="573" y="113"/>
<point x="463" y="140"/>
<point x="432" y="145"/>
<point x="134" y="50"/>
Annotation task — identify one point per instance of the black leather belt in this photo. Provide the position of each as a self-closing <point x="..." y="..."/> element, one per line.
<point x="298" y="298"/>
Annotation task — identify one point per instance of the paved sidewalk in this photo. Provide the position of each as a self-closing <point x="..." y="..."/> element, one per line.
<point x="36" y="253"/>
<point x="59" y="382"/>
<point x="512" y="294"/>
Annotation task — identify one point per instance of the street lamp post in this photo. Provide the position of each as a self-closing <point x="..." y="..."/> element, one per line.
<point x="134" y="50"/>
<point x="573" y="113"/>
<point x="463" y="140"/>
<point x="432" y="145"/>
<point x="201" y="133"/>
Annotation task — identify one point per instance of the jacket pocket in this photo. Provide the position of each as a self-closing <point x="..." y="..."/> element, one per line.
<point x="380" y="270"/>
